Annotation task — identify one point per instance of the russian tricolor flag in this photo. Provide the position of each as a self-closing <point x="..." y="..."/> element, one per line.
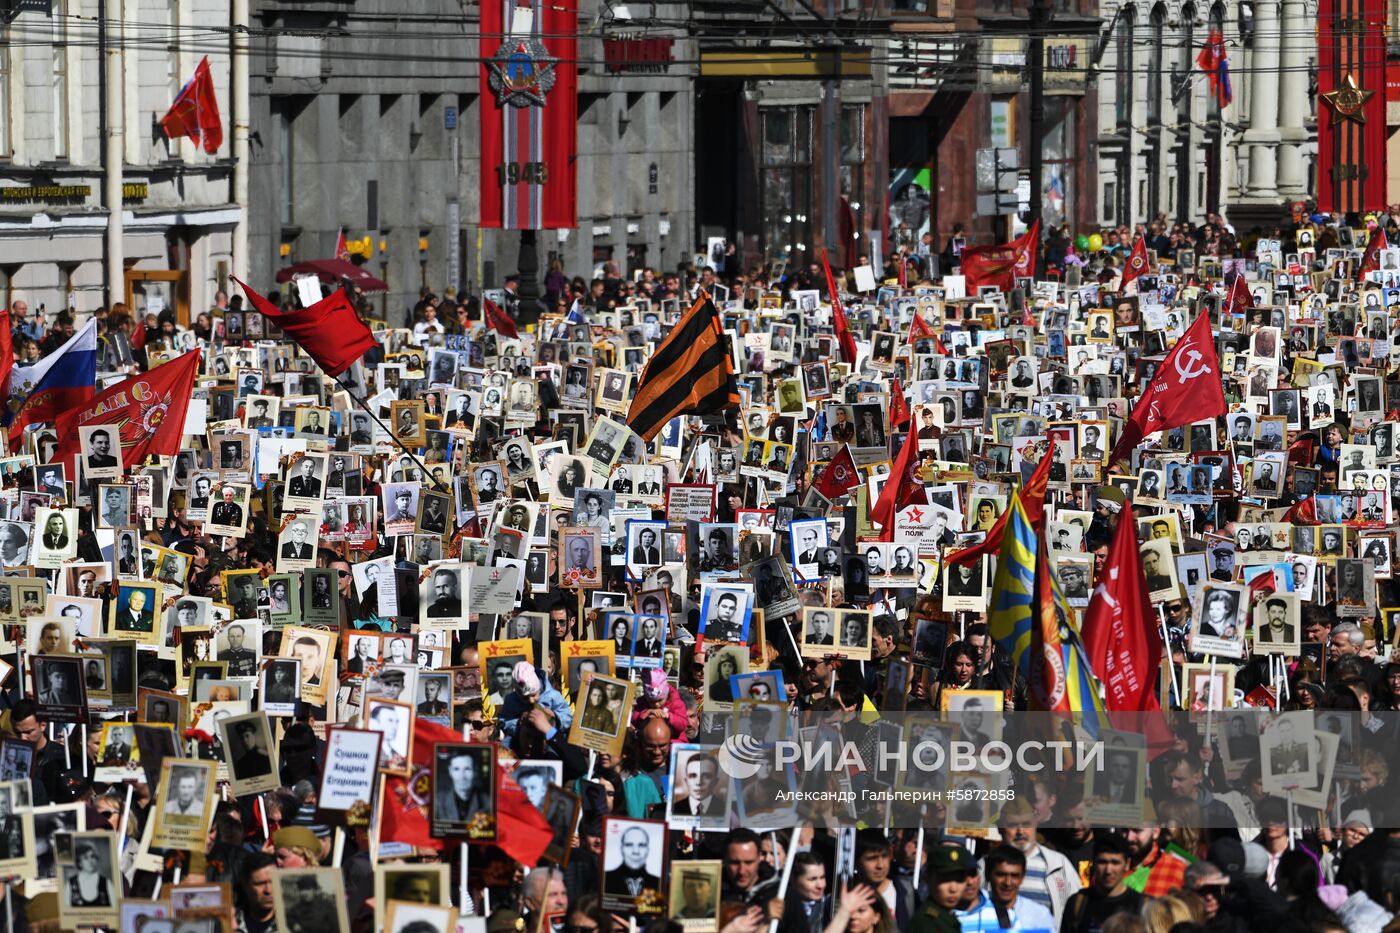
<point x="56" y="383"/>
<point x="1215" y="62"/>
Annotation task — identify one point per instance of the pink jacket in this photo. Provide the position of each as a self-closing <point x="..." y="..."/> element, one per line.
<point x="675" y="713"/>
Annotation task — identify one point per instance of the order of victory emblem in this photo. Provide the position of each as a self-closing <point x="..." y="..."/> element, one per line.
<point x="521" y="72"/>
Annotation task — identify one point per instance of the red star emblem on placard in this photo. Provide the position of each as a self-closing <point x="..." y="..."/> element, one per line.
<point x="916" y="515"/>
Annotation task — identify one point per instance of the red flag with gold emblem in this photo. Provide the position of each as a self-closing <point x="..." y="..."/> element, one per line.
<point x="901" y="489"/>
<point x="899" y="405"/>
<point x="147" y="410"/>
<point x="1239" y="300"/>
<point x="839" y="476"/>
<point x="1137" y="262"/>
<point x="1001" y="265"/>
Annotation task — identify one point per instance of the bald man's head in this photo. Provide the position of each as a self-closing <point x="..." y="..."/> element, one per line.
<point x="656" y="730"/>
<point x="655" y="741"/>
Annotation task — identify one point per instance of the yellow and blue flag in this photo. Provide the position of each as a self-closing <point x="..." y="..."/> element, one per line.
<point x="1031" y="621"/>
<point x="1013" y="588"/>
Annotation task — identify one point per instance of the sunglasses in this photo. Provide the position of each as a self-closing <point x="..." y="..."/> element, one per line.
<point x="1211" y="890"/>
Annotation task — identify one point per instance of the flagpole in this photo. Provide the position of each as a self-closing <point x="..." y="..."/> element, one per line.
<point x="1167" y="649"/>
<point x="388" y="430"/>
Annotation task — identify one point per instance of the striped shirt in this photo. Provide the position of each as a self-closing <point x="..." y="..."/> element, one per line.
<point x="1036" y="888"/>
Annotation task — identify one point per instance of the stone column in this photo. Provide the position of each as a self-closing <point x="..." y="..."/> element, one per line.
<point x="1296" y="46"/>
<point x="1262" y="137"/>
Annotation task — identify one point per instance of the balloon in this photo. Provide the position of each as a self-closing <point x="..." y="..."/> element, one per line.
<point x="1081" y="242"/>
<point x="1095" y="242"/>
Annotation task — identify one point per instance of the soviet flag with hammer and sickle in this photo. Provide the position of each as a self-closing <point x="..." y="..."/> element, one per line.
<point x="1187" y="388"/>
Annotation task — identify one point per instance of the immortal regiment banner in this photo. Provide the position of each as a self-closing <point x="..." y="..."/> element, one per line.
<point x="529" y="114"/>
<point x="309" y="623"/>
<point x="1351" y="105"/>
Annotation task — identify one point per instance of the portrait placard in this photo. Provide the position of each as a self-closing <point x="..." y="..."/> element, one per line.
<point x="349" y="771"/>
<point x="186" y="795"/>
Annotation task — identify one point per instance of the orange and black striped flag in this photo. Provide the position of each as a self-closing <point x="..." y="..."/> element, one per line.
<point x="689" y="374"/>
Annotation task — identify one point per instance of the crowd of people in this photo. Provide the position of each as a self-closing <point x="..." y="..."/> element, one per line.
<point x="448" y="641"/>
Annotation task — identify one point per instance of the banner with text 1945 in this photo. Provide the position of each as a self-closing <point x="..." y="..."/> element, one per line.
<point x="529" y="114"/>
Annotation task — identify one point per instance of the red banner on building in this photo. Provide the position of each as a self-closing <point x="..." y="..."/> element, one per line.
<point x="529" y="114"/>
<point x="1351" y="86"/>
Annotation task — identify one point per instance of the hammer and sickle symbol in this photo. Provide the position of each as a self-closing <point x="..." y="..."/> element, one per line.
<point x="1190" y="370"/>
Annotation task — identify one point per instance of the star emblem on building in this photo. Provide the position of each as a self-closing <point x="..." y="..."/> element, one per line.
<point x="521" y="72"/>
<point x="1348" y="99"/>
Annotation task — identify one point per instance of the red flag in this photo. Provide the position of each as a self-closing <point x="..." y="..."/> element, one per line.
<point x="838" y="316"/>
<point x="839" y="476"/>
<point x="1120" y="632"/>
<point x="195" y="112"/>
<point x="7" y="354"/>
<point x="1137" y="263"/>
<point x="1302" y="512"/>
<point x="342" y="249"/>
<point x="521" y="831"/>
<point x="903" y="488"/>
<point x="1027" y="248"/>
<point x="1371" y="259"/>
<point x="403" y="810"/>
<point x="329" y="331"/>
<point x="919" y="328"/>
<point x="1002" y="264"/>
<point x="138" y="333"/>
<point x="1262" y="585"/>
<point x="148" y="411"/>
<point x="1186" y="389"/>
<point x="498" y="320"/>
<point x="1239" y="300"/>
<point x="1302" y="450"/>
<point x="1032" y="503"/>
<point x="899" y="406"/>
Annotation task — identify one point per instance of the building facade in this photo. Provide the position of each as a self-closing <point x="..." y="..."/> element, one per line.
<point x="791" y="127"/>
<point x="1171" y="144"/>
<point x="80" y="140"/>
<point x="366" y="120"/>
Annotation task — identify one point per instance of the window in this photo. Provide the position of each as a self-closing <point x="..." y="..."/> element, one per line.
<point x="1182" y="94"/>
<point x="852" y="176"/>
<point x="1153" y="150"/>
<point x="285" y="150"/>
<point x="1154" y="67"/>
<point x="1110" y="202"/>
<point x="1057" y="196"/>
<point x="60" y="79"/>
<point x="4" y="93"/>
<point x="786" y="180"/>
<point x="1123" y="102"/>
<point x="172" y="53"/>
